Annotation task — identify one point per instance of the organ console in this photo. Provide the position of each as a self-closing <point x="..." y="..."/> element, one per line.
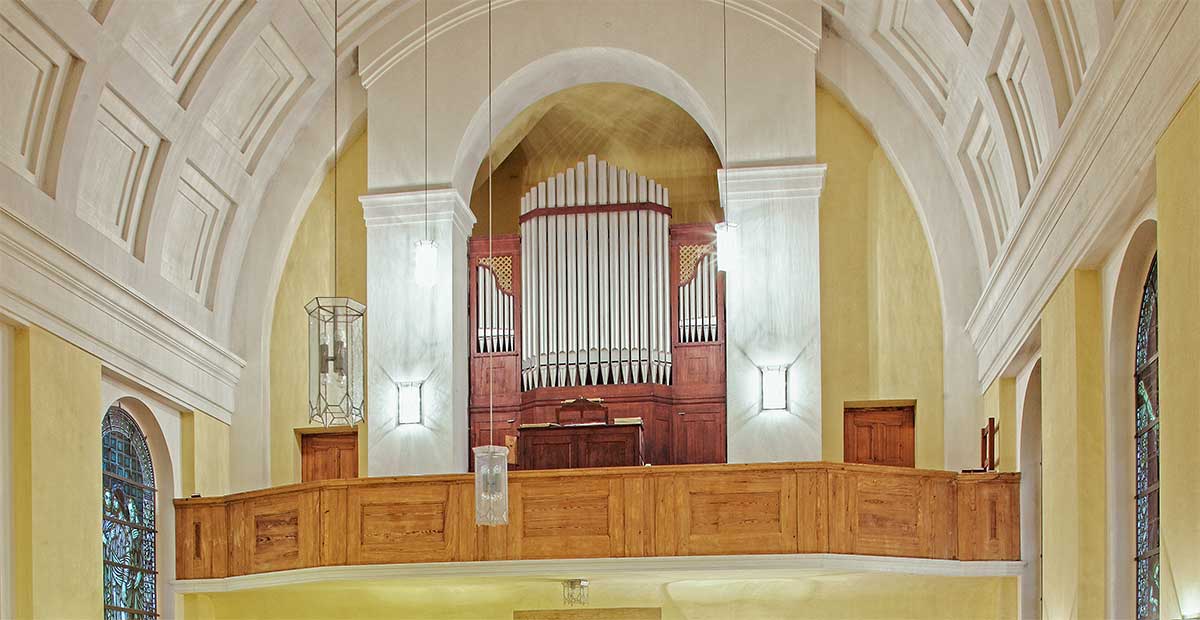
<point x="599" y="296"/>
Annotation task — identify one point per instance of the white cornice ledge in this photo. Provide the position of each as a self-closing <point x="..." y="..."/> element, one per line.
<point x="1108" y="137"/>
<point x="44" y="284"/>
<point x="413" y="207"/>
<point x="771" y="182"/>
<point x="747" y="566"/>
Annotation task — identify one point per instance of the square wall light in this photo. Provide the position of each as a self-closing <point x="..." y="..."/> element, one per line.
<point x="408" y="402"/>
<point x="774" y="387"/>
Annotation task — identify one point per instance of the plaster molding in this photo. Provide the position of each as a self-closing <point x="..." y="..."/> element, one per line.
<point x="771" y="182"/>
<point x="105" y="318"/>
<point x="413" y="207"/>
<point x="750" y="565"/>
<point x="1087" y="185"/>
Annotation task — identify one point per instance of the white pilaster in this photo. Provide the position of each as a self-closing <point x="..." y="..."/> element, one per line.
<point x="416" y="333"/>
<point x="773" y="310"/>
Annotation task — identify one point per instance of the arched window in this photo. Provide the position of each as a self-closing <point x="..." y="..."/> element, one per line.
<point x="1146" y="437"/>
<point x="128" y="527"/>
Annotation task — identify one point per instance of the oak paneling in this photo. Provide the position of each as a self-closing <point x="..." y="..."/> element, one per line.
<point x="606" y="512"/>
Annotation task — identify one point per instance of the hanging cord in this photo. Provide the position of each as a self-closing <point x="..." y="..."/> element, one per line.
<point x="491" y="259"/>
<point x="725" y="87"/>
<point x="425" y="49"/>
<point x="335" y="149"/>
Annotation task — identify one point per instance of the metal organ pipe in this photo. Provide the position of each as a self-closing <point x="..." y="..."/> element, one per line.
<point x="595" y="303"/>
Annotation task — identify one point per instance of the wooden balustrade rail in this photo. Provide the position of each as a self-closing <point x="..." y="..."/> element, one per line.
<point x="606" y="512"/>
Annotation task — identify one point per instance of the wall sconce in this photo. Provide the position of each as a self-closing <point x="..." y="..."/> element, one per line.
<point x="408" y="402"/>
<point x="774" y="387"/>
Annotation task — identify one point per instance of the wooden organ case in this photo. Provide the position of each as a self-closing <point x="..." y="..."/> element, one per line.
<point x="600" y="297"/>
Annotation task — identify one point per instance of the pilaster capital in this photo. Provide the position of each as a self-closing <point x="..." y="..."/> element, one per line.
<point x="770" y="183"/>
<point x="443" y="204"/>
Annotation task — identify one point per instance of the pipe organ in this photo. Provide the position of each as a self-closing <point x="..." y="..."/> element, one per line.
<point x="600" y="296"/>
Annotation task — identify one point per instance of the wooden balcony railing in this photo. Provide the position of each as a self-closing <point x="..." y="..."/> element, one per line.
<point x="618" y="512"/>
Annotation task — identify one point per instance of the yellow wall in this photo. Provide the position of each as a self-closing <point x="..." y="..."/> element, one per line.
<point x="1000" y="402"/>
<point x="881" y="322"/>
<point x="56" y="472"/>
<point x="1178" y="169"/>
<point x="1073" y="495"/>
<point x="204" y="454"/>
<point x="845" y="596"/>
<point x="307" y="274"/>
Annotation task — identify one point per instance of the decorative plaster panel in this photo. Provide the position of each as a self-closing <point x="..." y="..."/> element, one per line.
<point x="919" y="45"/>
<point x="36" y="66"/>
<point x="255" y="101"/>
<point x="1013" y="86"/>
<point x="982" y="157"/>
<point x="194" y="232"/>
<point x="171" y="39"/>
<point x="118" y="168"/>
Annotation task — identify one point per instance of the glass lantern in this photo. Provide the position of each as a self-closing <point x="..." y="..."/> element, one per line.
<point x="335" y="361"/>
<point x="491" y="485"/>
<point x="728" y="246"/>
<point x="425" y="259"/>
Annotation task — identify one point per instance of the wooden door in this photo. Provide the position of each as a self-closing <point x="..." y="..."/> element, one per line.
<point x="698" y="436"/>
<point x="328" y="456"/>
<point x="880" y="435"/>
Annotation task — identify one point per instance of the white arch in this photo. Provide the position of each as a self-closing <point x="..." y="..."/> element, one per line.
<point x="1124" y="305"/>
<point x="559" y="71"/>
<point x="164" y="484"/>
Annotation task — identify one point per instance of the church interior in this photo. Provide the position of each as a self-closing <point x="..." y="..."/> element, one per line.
<point x="599" y="309"/>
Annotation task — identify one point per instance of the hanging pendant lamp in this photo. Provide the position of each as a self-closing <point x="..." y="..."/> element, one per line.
<point x="728" y="248"/>
<point x="335" y="331"/>
<point x="491" y="461"/>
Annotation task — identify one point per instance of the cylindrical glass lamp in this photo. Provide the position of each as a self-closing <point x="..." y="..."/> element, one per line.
<point x="491" y="485"/>
<point x="425" y="261"/>
<point x="728" y="246"/>
<point x="335" y="361"/>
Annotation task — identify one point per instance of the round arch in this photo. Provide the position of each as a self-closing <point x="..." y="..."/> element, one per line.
<point x="1125" y="304"/>
<point x="560" y="71"/>
<point x="164" y="509"/>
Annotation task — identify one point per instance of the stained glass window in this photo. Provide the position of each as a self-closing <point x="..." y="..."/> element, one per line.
<point x="128" y="527"/>
<point x="1146" y="441"/>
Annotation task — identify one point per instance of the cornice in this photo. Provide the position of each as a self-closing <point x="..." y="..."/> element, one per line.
<point x="442" y="204"/>
<point x="771" y="182"/>
<point x="110" y="318"/>
<point x="1109" y="137"/>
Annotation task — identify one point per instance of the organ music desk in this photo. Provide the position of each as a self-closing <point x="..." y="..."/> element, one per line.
<point x="580" y="445"/>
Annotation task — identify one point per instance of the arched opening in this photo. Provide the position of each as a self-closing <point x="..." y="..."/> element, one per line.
<point x="1146" y="429"/>
<point x="1030" y="462"/>
<point x="137" y="422"/>
<point x="592" y="276"/>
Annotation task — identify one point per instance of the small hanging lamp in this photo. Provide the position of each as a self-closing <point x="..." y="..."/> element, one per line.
<point x="335" y="332"/>
<point x="491" y="461"/>
<point x="425" y="250"/>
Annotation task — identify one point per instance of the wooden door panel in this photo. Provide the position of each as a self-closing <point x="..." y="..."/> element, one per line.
<point x="880" y="436"/>
<point x="328" y="456"/>
<point x="698" y="436"/>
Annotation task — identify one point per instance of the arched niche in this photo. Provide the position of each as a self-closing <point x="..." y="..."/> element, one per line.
<point x="1029" y="459"/>
<point x="1125" y="303"/>
<point x="165" y="490"/>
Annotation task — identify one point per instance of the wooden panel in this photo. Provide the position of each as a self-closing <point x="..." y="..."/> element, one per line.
<point x="880" y="436"/>
<point x="201" y="542"/>
<point x="606" y="512"/>
<point x="385" y="526"/>
<point x="988" y="520"/>
<point x="275" y="532"/>
<point x="752" y="513"/>
<point x="699" y="435"/>
<point x="328" y="456"/>
<point x="581" y="446"/>
<point x="612" y="613"/>
<point x="570" y="518"/>
<point x="893" y="515"/>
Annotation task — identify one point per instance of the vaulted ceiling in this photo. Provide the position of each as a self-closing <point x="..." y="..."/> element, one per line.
<point x="140" y="138"/>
